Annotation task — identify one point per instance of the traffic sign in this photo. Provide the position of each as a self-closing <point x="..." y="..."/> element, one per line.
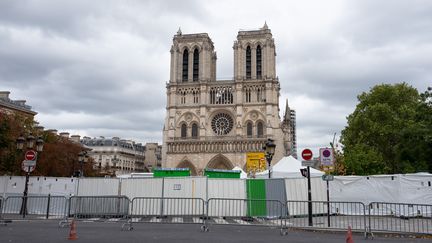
<point x="311" y="163"/>
<point x="326" y="156"/>
<point x="27" y="169"/>
<point x="28" y="163"/>
<point x="30" y="155"/>
<point x="307" y="154"/>
<point x="327" y="177"/>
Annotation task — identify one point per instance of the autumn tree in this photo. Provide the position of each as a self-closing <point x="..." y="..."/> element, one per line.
<point x="389" y="131"/>
<point x="58" y="158"/>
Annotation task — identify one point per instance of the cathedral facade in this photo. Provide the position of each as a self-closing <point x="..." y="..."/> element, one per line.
<point x="214" y="123"/>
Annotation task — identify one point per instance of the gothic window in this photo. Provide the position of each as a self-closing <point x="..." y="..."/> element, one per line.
<point x="195" y="97"/>
<point x="248" y="95"/>
<point x="259" y="94"/>
<point x="249" y="129"/>
<point x="260" y="129"/>
<point x="221" y="95"/>
<point x="195" y="65"/>
<point x="185" y="65"/>
<point x="183" y="130"/>
<point x="222" y="124"/>
<point x="183" y="97"/>
<point x="194" y="130"/>
<point x="248" y="63"/>
<point x="258" y="62"/>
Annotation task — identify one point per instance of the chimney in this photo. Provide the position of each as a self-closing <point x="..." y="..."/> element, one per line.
<point x="20" y="102"/>
<point x="4" y="95"/>
<point x="75" y="138"/>
<point x="53" y="131"/>
<point x="64" y="134"/>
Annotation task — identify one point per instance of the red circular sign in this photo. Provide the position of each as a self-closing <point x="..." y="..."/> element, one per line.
<point x="30" y="155"/>
<point x="307" y="154"/>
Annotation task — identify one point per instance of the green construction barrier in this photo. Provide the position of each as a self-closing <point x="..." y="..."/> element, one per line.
<point x="256" y="193"/>
<point x="214" y="173"/>
<point x="171" y="172"/>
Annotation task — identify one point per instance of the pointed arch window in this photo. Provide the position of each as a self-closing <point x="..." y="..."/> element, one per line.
<point x="194" y="130"/>
<point x="248" y="63"/>
<point x="258" y="62"/>
<point x="260" y="129"/>
<point x="185" y="66"/>
<point x="183" y="130"/>
<point x="195" y="65"/>
<point x="249" y="129"/>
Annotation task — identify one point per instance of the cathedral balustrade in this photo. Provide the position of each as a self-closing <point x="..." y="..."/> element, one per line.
<point x="225" y="145"/>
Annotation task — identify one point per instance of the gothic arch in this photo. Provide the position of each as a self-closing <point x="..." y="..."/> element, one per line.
<point x="196" y="46"/>
<point x="187" y="164"/>
<point x="250" y="116"/>
<point x="220" y="162"/>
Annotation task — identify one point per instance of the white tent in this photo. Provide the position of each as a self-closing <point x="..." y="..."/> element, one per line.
<point x="243" y="175"/>
<point x="288" y="167"/>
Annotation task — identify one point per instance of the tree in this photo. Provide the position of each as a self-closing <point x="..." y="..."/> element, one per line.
<point x="389" y="131"/>
<point x="58" y="158"/>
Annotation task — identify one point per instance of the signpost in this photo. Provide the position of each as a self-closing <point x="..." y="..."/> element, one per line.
<point x="307" y="155"/>
<point x="327" y="162"/>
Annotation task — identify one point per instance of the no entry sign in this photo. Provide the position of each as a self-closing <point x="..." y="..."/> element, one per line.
<point x="307" y="154"/>
<point x="30" y="155"/>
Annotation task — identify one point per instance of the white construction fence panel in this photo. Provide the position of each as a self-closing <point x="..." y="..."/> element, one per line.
<point x="98" y="187"/>
<point x="141" y="187"/>
<point x="297" y="190"/>
<point x="37" y="186"/>
<point x="185" y="187"/>
<point x="227" y="188"/>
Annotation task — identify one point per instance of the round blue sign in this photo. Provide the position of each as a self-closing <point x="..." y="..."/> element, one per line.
<point x="326" y="153"/>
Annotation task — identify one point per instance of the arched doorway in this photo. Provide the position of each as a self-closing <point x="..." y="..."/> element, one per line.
<point x="220" y="162"/>
<point x="188" y="164"/>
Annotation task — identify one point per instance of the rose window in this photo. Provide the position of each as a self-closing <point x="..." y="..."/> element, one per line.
<point x="222" y="124"/>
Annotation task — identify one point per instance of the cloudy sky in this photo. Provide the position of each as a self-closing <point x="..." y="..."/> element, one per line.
<point x="99" y="68"/>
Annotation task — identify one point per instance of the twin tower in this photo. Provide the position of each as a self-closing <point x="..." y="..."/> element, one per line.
<point x="214" y="123"/>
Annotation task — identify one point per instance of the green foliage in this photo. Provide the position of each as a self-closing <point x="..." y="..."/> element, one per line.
<point x="389" y="131"/>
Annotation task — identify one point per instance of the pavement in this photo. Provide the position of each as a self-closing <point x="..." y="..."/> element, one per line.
<point x="49" y="231"/>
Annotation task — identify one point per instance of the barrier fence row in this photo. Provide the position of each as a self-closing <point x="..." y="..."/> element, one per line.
<point x="370" y="218"/>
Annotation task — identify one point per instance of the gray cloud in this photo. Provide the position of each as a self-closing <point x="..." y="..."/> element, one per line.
<point x="99" y="68"/>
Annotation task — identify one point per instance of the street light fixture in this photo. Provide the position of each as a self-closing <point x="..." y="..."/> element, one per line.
<point x="269" y="149"/>
<point x="39" y="147"/>
<point x="82" y="158"/>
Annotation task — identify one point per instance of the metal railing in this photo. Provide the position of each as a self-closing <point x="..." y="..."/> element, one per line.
<point x="246" y="212"/>
<point x="372" y="218"/>
<point x="165" y="210"/>
<point x="100" y="207"/>
<point x="36" y="207"/>
<point x="328" y="215"/>
<point x="400" y="217"/>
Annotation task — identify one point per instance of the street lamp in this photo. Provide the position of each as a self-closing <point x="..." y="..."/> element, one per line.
<point x="269" y="149"/>
<point x="82" y="158"/>
<point x="29" y="158"/>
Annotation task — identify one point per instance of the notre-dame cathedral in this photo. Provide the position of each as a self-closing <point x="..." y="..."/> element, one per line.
<point x="214" y="123"/>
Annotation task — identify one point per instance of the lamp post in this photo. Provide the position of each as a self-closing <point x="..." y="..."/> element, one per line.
<point x="31" y="140"/>
<point x="269" y="149"/>
<point x="82" y="158"/>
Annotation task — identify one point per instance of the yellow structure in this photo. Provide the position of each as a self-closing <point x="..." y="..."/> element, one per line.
<point x="255" y="162"/>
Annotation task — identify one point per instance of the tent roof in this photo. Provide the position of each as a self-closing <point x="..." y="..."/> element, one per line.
<point x="242" y="173"/>
<point x="289" y="167"/>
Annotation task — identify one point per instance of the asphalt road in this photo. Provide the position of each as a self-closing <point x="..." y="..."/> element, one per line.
<point x="48" y="231"/>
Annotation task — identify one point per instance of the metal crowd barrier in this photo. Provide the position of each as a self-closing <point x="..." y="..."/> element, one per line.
<point x="246" y="212"/>
<point x="327" y="215"/>
<point x="97" y="208"/>
<point x="165" y="210"/>
<point x="34" y="207"/>
<point x="400" y="218"/>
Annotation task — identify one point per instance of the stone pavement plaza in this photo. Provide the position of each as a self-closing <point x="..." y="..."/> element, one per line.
<point x="48" y="231"/>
